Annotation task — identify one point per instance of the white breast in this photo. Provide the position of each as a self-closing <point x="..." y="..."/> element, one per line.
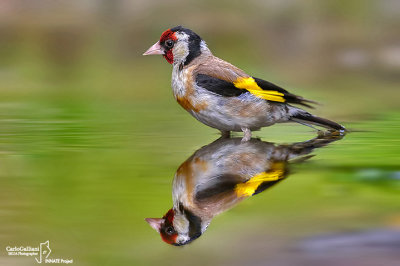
<point x="223" y="113"/>
<point x="178" y="81"/>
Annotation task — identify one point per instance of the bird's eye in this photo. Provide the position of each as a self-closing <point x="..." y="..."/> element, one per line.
<point x="170" y="230"/>
<point x="169" y="43"/>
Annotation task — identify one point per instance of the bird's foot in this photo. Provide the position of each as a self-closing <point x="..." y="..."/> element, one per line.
<point x="247" y="134"/>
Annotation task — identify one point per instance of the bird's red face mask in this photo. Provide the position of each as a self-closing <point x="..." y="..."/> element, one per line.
<point x="165" y="227"/>
<point x="164" y="46"/>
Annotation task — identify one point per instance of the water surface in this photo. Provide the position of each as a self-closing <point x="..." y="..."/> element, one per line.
<point x="84" y="176"/>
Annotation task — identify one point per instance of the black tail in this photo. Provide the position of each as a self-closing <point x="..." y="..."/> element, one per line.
<point x="307" y="118"/>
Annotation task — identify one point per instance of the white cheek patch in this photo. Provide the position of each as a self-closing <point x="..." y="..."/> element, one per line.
<point x="181" y="225"/>
<point x="181" y="47"/>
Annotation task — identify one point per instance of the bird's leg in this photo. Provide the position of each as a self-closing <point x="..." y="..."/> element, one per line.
<point x="247" y="134"/>
<point x="225" y="134"/>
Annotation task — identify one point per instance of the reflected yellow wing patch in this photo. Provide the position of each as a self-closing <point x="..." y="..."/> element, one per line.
<point x="251" y="85"/>
<point x="248" y="188"/>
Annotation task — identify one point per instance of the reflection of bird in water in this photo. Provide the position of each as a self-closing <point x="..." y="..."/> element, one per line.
<point x="219" y="176"/>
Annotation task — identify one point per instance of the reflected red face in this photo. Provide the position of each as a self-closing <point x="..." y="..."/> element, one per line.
<point x="167" y="231"/>
<point x="168" y="35"/>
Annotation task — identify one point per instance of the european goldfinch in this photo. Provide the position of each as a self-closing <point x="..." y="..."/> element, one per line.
<point x="223" y="96"/>
<point x="219" y="176"/>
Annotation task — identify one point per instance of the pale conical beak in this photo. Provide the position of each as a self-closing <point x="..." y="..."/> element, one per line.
<point x="155" y="49"/>
<point x="155" y="223"/>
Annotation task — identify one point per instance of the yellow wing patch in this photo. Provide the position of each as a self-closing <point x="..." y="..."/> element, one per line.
<point x="251" y="85"/>
<point x="248" y="188"/>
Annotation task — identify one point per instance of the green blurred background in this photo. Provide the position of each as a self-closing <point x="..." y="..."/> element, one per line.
<point x="91" y="136"/>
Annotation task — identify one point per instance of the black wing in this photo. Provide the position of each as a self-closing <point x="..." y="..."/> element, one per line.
<point x="289" y="97"/>
<point x="229" y="89"/>
<point x="218" y="86"/>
